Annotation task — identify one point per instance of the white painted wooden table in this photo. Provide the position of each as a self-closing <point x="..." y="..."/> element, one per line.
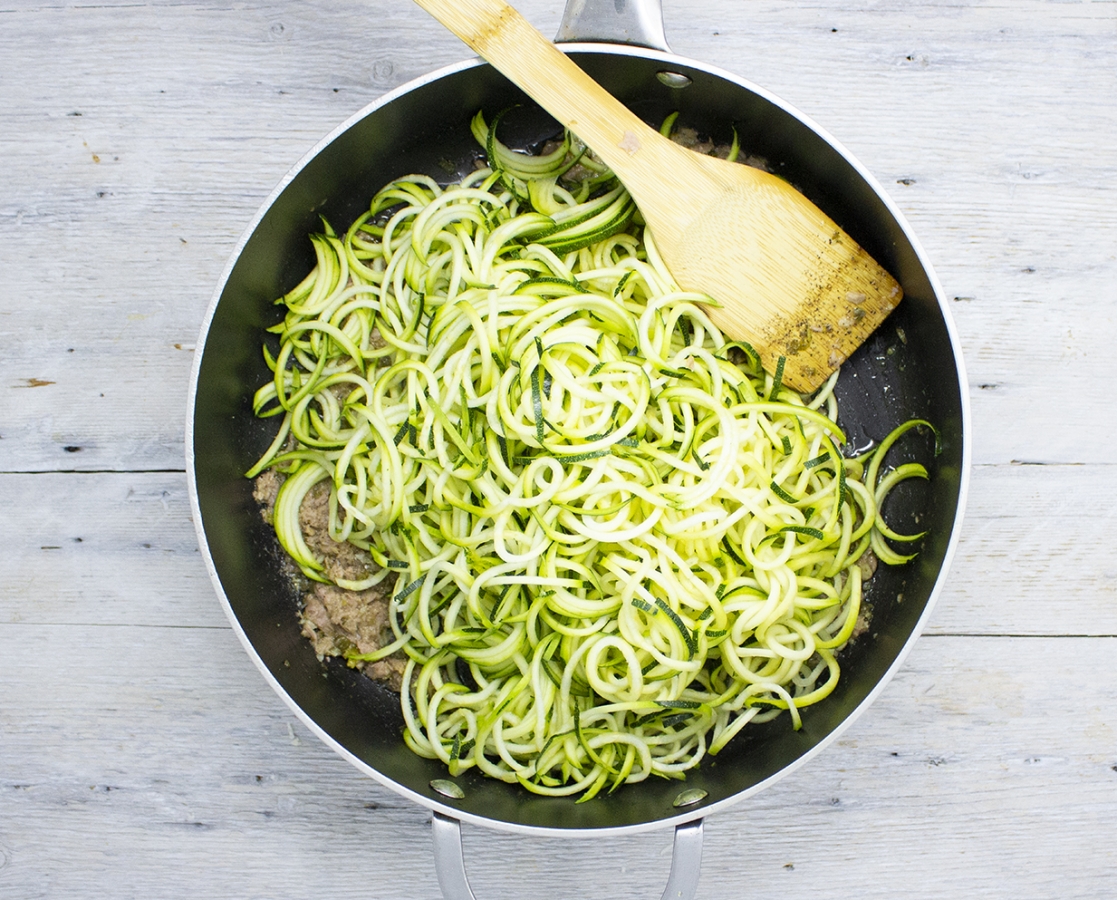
<point x="142" y="755"/>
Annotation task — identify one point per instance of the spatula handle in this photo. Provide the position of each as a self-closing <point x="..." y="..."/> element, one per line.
<point x="500" y="35"/>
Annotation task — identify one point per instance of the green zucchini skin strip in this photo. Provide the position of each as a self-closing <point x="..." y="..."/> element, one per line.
<point x="617" y="542"/>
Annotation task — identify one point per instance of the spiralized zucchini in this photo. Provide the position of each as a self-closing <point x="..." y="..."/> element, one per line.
<point x="616" y="540"/>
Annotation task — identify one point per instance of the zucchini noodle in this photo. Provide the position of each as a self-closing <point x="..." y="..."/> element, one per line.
<point x="616" y="541"/>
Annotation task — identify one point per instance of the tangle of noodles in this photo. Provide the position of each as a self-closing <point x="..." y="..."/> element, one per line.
<point x="616" y="540"/>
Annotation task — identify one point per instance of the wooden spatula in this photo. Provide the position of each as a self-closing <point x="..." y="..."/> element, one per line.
<point x="784" y="277"/>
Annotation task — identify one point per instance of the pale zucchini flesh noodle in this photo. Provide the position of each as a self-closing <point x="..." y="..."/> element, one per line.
<point x="616" y="540"/>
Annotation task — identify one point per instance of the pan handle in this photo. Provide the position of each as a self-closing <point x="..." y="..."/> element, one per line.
<point x="638" y="23"/>
<point x="682" y="882"/>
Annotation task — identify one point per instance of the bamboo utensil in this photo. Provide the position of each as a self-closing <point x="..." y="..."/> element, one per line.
<point x="783" y="276"/>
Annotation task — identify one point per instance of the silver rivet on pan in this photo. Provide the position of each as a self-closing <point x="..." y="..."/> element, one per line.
<point x="674" y="79"/>
<point x="447" y="789"/>
<point x="689" y="797"/>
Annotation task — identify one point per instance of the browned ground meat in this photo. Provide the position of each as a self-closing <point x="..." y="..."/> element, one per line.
<point x="334" y="619"/>
<point x="264" y="491"/>
<point x="868" y="565"/>
<point x="342" y="560"/>
<point x="689" y="137"/>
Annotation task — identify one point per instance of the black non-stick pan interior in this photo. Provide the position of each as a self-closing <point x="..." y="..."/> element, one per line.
<point x="908" y="368"/>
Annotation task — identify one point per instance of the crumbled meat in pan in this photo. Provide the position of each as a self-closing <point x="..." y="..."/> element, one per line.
<point x="688" y="137"/>
<point x="868" y="565"/>
<point x="334" y="619"/>
<point x="264" y="491"/>
<point x="342" y="560"/>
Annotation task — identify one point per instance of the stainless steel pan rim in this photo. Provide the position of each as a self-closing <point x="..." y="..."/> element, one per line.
<point x="687" y="816"/>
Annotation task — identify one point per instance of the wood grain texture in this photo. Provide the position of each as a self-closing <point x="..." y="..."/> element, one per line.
<point x="184" y="118"/>
<point x="172" y="765"/>
<point x="142" y="755"/>
<point x="121" y="549"/>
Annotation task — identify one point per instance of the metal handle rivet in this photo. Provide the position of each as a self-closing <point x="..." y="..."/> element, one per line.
<point x="674" y="79"/>
<point x="689" y="797"/>
<point x="447" y="789"/>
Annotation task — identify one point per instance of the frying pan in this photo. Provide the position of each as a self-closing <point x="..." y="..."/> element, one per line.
<point x="911" y="366"/>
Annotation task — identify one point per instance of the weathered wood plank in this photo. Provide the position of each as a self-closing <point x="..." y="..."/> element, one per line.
<point x="143" y="752"/>
<point x="100" y="549"/>
<point x="120" y="549"/>
<point x="1034" y="556"/>
<point x="188" y="117"/>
